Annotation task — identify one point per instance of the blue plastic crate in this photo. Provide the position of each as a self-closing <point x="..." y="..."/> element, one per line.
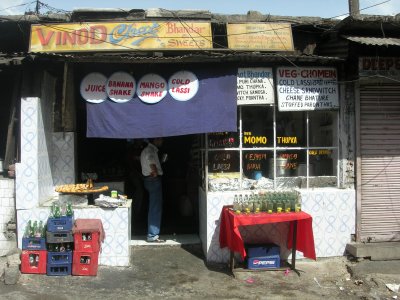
<point x="59" y="258"/>
<point x="63" y="223"/>
<point x="59" y="269"/>
<point x="263" y="256"/>
<point x="33" y="243"/>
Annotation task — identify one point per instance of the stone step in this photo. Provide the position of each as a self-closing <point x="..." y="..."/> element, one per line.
<point x="375" y="251"/>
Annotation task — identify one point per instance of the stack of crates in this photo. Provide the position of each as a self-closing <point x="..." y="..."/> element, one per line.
<point x="86" y="246"/>
<point x="59" y="244"/>
<point x="34" y="255"/>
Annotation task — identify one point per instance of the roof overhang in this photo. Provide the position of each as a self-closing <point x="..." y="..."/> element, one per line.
<point x="160" y="57"/>
<point x="374" y="41"/>
<point x="11" y="59"/>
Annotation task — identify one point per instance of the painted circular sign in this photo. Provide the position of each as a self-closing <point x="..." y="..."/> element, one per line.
<point x="183" y="85"/>
<point x="151" y="88"/>
<point x="121" y="87"/>
<point x="93" y="87"/>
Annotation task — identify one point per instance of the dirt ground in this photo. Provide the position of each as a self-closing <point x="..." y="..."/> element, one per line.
<point x="181" y="273"/>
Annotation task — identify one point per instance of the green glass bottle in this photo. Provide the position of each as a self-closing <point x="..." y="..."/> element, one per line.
<point x="39" y="232"/>
<point x="34" y="229"/>
<point x="57" y="211"/>
<point x="69" y="212"/>
<point x="52" y="210"/>
<point x="27" y="232"/>
<point x="246" y="204"/>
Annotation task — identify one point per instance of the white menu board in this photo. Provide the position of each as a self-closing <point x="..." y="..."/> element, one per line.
<point x="183" y="85"/>
<point x="313" y="88"/>
<point x="93" y="88"/>
<point x="151" y="88"/>
<point x="121" y="87"/>
<point x="255" y="86"/>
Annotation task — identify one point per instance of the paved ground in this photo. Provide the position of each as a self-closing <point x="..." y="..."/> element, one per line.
<point x="175" y="272"/>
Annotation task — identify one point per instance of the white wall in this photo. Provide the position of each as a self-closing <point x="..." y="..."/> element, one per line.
<point x="34" y="183"/>
<point x="7" y="213"/>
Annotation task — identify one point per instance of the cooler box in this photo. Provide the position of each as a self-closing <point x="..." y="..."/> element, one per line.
<point x="263" y="256"/>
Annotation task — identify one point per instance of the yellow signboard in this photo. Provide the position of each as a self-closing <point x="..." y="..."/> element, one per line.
<point x="71" y="37"/>
<point x="260" y="36"/>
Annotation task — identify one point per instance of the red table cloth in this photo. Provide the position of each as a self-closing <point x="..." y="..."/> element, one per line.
<point x="229" y="234"/>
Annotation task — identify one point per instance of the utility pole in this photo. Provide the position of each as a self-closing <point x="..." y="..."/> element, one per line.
<point x="37" y="6"/>
<point x="354" y="7"/>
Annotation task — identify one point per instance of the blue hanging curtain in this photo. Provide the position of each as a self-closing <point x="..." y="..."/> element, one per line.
<point x="212" y="109"/>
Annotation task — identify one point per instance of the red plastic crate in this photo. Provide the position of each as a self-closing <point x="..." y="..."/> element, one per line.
<point x="85" y="263"/>
<point x="86" y="241"/>
<point x="34" y="261"/>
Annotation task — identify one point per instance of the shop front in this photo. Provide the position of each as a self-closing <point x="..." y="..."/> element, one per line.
<point x="378" y="123"/>
<point x="370" y="46"/>
<point x="241" y="125"/>
<point x="288" y="139"/>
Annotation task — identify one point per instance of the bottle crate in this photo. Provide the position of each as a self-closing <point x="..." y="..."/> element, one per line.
<point x="63" y="223"/>
<point x="59" y="237"/>
<point x="33" y="261"/>
<point x="85" y="263"/>
<point x="33" y="243"/>
<point x="87" y="241"/>
<point x="60" y="247"/>
<point x="57" y="258"/>
<point x="59" y="269"/>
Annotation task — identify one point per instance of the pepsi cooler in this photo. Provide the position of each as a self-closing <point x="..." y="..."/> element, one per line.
<point x="265" y="256"/>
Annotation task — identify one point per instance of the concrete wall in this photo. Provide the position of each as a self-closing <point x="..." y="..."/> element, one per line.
<point x="7" y="213"/>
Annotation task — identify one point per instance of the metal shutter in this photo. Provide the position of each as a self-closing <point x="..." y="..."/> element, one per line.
<point x="380" y="162"/>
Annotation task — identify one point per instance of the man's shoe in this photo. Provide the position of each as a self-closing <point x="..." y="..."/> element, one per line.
<point x="157" y="240"/>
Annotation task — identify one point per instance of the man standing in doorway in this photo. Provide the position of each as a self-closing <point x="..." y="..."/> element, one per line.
<point x="152" y="172"/>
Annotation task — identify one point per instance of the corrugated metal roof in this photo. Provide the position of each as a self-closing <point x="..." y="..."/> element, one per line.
<point x="191" y="57"/>
<point x="12" y="59"/>
<point x="374" y="41"/>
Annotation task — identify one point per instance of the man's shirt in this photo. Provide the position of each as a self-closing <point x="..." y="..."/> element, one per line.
<point x="148" y="157"/>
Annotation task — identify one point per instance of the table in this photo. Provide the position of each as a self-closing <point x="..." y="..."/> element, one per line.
<point x="300" y="235"/>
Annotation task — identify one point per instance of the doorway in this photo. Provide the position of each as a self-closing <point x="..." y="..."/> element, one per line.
<point x="180" y="188"/>
<point x="118" y="161"/>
